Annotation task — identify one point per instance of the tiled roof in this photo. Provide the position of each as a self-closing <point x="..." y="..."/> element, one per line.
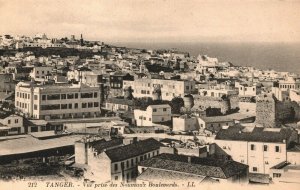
<point x="296" y="148"/>
<point x="216" y="119"/>
<point x="199" y="166"/>
<point x="258" y="134"/>
<point x="133" y="150"/>
<point x="101" y="145"/>
<point x="152" y="174"/>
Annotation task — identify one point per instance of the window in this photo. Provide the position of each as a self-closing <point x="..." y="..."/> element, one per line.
<point x="276" y="175"/>
<point x="8" y="121"/>
<point x="16" y="121"/>
<point x="132" y="162"/>
<point x="141" y="117"/>
<point x="164" y="109"/>
<point x="162" y="119"/>
<point x="50" y="107"/>
<point x="116" y="167"/>
<point x="127" y="163"/>
<point x="86" y="95"/>
<point x="154" y="110"/>
<point x="64" y="106"/>
<point x="149" y="119"/>
<point x="95" y="94"/>
<point x="277" y="149"/>
<point x="83" y="105"/>
<point x="76" y="96"/>
<point x="17" y="94"/>
<point x="70" y="96"/>
<point x="254" y="169"/>
<point x="53" y="97"/>
<point x="76" y="105"/>
<point x="90" y="104"/>
<point x="70" y="106"/>
<point x="96" y="104"/>
<point x="252" y="147"/>
<point x="265" y="148"/>
<point x="63" y="96"/>
<point x="116" y="177"/>
<point x="43" y="97"/>
<point x="144" y="118"/>
<point x="35" y="97"/>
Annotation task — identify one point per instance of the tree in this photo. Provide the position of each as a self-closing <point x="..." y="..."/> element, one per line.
<point x="176" y="104"/>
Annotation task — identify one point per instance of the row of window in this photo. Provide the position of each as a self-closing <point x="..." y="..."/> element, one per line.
<point x="43" y="72"/>
<point x="288" y="86"/>
<point x="67" y="96"/>
<point x="164" y="109"/>
<point x="9" y="121"/>
<point x="265" y="147"/>
<point x="23" y="95"/>
<point x="247" y="88"/>
<point x="133" y="161"/>
<point x="67" y="106"/>
<point x="144" y="118"/>
<point x="21" y="104"/>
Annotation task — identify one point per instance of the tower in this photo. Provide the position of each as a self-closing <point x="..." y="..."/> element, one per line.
<point x="81" y="40"/>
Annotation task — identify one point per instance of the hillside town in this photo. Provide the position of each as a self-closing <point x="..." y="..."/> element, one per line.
<point x="74" y="109"/>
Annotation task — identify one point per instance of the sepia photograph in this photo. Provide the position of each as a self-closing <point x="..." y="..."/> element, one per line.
<point x="149" y="94"/>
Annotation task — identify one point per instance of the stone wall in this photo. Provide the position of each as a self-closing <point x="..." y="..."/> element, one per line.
<point x="287" y="110"/>
<point x="203" y="102"/>
<point x="272" y="113"/>
<point x="265" y="111"/>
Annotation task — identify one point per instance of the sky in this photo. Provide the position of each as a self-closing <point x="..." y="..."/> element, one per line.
<point x="155" y="20"/>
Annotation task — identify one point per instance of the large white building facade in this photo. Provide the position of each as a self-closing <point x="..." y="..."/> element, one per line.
<point x="260" y="148"/>
<point x="57" y="101"/>
<point x="169" y="88"/>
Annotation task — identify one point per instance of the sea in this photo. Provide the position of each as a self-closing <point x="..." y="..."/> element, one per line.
<point x="277" y="56"/>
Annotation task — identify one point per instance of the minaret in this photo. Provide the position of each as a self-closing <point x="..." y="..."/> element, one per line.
<point x="81" y="40"/>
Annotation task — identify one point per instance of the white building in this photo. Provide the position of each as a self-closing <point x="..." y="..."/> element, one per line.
<point x="41" y="73"/>
<point x="289" y="83"/>
<point x="114" y="160"/>
<point x="260" y="148"/>
<point x="248" y="90"/>
<point x="11" y="125"/>
<point x="216" y="92"/>
<point x="169" y="88"/>
<point x="185" y="123"/>
<point x="153" y="114"/>
<point x="57" y="101"/>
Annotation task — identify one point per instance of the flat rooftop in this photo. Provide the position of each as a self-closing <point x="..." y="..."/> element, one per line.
<point x="29" y="144"/>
